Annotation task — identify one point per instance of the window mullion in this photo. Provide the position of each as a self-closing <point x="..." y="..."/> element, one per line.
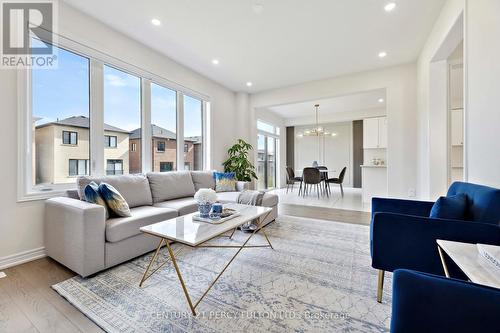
<point x="96" y="117"/>
<point x="180" y="131"/>
<point x="146" y="146"/>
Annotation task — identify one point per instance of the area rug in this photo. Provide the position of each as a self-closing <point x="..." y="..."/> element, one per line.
<point x="317" y="279"/>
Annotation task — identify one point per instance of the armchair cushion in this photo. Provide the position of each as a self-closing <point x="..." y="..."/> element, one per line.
<point x="453" y="207"/>
<point x="483" y="201"/>
<point x="427" y="303"/>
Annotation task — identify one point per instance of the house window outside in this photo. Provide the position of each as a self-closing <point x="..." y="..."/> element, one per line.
<point x="70" y="138"/>
<point x="134" y="147"/>
<point x="187" y="166"/>
<point x="78" y="167"/>
<point x="193" y="132"/>
<point x="166" y="166"/>
<point x="110" y="141"/>
<point x="114" y="167"/>
<point x="160" y="146"/>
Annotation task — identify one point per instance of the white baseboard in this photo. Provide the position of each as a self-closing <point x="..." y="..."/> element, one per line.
<point x="22" y="257"/>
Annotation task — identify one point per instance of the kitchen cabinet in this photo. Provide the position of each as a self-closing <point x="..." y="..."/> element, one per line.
<point x="375" y="133"/>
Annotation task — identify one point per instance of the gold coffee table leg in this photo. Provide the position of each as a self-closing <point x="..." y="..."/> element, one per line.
<point x="145" y="276"/>
<point x="443" y="262"/>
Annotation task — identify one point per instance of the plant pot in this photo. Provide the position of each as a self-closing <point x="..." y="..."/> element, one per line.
<point x="204" y="209"/>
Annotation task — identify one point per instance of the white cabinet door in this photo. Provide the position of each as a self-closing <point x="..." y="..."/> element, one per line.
<point x="382" y="132"/>
<point x="457" y="127"/>
<point x="370" y="133"/>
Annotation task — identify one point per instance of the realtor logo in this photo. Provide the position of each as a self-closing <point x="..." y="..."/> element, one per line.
<point x="28" y="34"/>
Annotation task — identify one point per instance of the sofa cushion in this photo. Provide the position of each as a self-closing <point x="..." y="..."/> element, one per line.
<point x="225" y="181"/>
<point x="203" y="179"/>
<point x="483" y="202"/>
<point x="120" y="228"/>
<point x="170" y="185"/>
<point x="114" y="200"/>
<point x="269" y="199"/>
<point x="453" y="207"/>
<point x="134" y="188"/>
<point x="183" y="205"/>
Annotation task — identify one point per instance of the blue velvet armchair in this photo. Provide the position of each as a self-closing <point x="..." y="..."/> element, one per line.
<point x="423" y="302"/>
<point x="404" y="236"/>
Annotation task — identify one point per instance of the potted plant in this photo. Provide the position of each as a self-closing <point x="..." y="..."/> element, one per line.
<point x="238" y="162"/>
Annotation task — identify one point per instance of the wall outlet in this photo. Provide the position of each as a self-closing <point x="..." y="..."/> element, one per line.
<point x="412" y="193"/>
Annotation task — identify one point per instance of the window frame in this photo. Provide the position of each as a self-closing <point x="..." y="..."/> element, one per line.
<point x="115" y="162"/>
<point x="163" y="143"/>
<point x="107" y="141"/>
<point x="27" y="191"/>
<point x="69" y="136"/>
<point x="87" y="167"/>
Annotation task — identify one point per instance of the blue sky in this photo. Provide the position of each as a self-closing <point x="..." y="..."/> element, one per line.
<point x="64" y="92"/>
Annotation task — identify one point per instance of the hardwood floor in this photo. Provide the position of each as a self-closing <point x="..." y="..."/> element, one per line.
<point x="324" y="213"/>
<point x="28" y="303"/>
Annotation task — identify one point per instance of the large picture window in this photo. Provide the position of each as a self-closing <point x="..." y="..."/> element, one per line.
<point x="60" y="115"/>
<point x="164" y="128"/>
<point x="193" y="133"/>
<point x="122" y="117"/>
<point x="89" y="115"/>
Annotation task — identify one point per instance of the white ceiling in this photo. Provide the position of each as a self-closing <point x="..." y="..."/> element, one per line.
<point x="288" y="42"/>
<point x="355" y="102"/>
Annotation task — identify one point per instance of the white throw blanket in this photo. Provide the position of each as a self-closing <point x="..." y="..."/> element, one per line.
<point x="253" y="198"/>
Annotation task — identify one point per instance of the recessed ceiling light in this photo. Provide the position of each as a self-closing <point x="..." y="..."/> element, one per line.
<point x="155" y="22"/>
<point x="381" y="100"/>
<point x="249" y="84"/>
<point x="215" y="61"/>
<point x="382" y="54"/>
<point x="390" y="6"/>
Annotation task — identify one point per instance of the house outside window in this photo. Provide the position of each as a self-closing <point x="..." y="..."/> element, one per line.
<point x="166" y="166"/>
<point x="114" y="167"/>
<point x="110" y="141"/>
<point x="134" y="147"/>
<point x="186" y="147"/>
<point x="70" y="138"/>
<point x="78" y="167"/>
<point x="160" y="146"/>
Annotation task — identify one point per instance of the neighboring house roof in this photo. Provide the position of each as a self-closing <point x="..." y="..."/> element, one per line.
<point x="161" y="133"/>
<point x="81" y="122"/>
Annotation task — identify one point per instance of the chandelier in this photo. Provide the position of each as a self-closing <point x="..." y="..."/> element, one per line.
<point x="317" y="130"/>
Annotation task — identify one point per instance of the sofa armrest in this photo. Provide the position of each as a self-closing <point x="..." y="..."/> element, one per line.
<point x="75" y="234"/>
<point x="408" y="207"/>
<point x="440" y="310"/>
<point x="242" y="186"/>
<point x="405" y="241"/>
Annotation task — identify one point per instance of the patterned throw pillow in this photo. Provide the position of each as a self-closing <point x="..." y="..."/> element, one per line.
<point x="92" y="195"/>
<point x="225" y="181"/>
<point x="114" y="200"/>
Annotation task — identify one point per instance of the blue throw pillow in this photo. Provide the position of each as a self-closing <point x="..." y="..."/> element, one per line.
<point x="114" y="200"/>
<point x="92" y="195"/>
<point x="225" y="181"/>
<point x="453" y="207"/>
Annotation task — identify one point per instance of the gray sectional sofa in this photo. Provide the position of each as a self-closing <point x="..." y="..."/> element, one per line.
<point x="78" y="235"/>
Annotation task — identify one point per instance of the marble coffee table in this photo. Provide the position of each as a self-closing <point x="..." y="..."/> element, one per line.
<point x="196" y="234"/>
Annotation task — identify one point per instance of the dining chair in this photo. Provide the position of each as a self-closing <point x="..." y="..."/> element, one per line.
<point x="291" y="179"/>
<point x="312" y="178"/>
<point x="338" y="180"/>
<point x="324" y="177"/>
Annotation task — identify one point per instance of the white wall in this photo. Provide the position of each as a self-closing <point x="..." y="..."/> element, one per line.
<point x="334" y="152"/>
<point x="483" y="106"/>
<point x="400" y="84"/>
<point x="430" y="129"/>
<point x="21" y="224"/>
<point x="337" y="117"/>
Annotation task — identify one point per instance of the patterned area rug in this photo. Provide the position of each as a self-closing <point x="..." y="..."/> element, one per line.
<point x="317" y="279"/>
